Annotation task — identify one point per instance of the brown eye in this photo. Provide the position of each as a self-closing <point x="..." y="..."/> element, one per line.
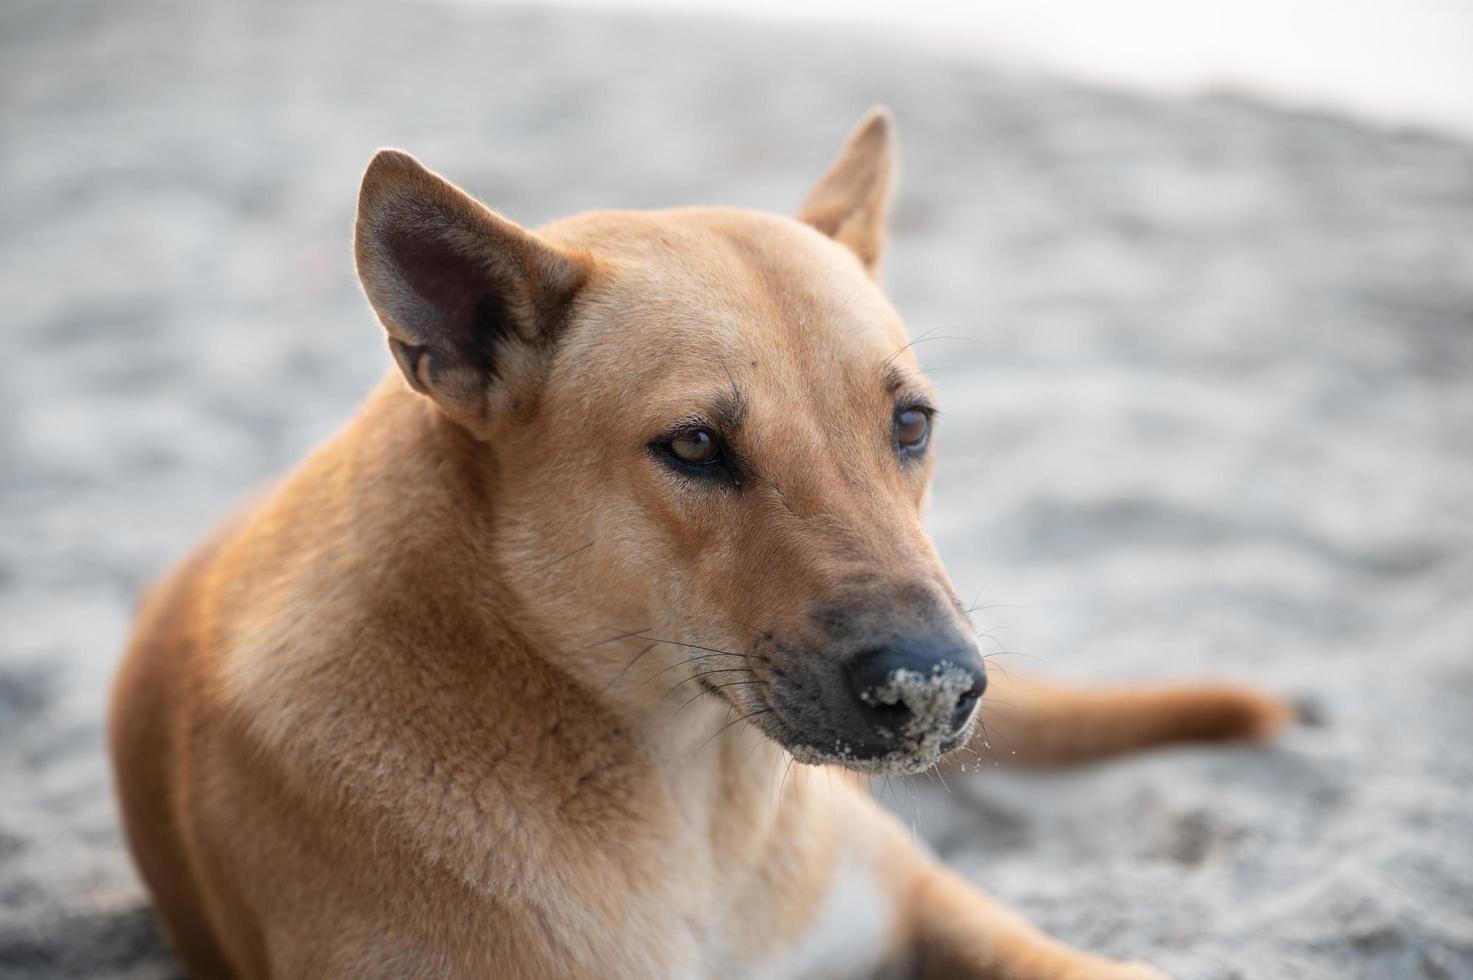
<point x="696" y="448"/>
<point x="698" y="453"/>
<point x="912" y="429"/>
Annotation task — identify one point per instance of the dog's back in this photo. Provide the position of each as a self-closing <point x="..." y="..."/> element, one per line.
<point x="155" y="729"/>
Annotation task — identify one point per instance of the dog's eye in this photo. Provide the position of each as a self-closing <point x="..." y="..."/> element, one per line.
<point x="699" y="453"/>
<point x="696" y="448"/>
<point x="912" y="429"/>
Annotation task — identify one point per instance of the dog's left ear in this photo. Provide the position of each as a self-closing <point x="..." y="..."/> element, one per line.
<point x="473" y="304"/>
<point x="851" y="202"/>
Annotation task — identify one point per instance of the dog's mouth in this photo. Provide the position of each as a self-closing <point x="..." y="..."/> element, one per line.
<point x="907" y="756"/>
<point x="928" y="723"/>
<point x="874" y="706"/>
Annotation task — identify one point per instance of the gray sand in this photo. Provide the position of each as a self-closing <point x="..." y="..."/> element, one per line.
<point x="1211" y="414"/>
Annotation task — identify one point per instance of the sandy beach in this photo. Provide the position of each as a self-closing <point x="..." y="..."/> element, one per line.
<point x="1206" y="368"/>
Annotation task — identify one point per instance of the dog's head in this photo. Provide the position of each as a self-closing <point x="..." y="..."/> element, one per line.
<point x="709" y="441"/>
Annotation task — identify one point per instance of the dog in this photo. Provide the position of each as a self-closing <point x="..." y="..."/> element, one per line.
<point x="510" y="677"/>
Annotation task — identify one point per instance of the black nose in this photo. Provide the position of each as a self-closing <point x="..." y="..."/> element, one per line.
<point x="912" y="688"/>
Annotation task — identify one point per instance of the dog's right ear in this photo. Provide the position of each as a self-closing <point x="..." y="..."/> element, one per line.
<point x="473" y="303"/>
<point x="851" y="202"/>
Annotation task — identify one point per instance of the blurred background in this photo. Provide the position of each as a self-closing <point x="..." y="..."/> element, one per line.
<point x="1209" y="409"/>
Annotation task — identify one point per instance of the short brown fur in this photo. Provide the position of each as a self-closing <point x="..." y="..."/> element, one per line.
<point x="430" y="708"/>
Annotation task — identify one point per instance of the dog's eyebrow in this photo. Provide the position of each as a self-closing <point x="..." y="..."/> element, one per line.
<point x="730" y="409"/>
<point x="894" y="379"/>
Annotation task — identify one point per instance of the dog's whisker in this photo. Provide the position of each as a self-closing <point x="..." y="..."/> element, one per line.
<point x="697" y="646"/>
<point x="926" y="338"/>
<point x="702" y="693"/>
<point x="728" y="698"/>
<point x="783" y="785"/>
<point x="712" y="689"/>
<point x="1011" y="653"/>
<point x="748" y="626"/>
<point x="988" y="734"/>
<point x="622" y="635"/>
<point x="975" y="599"/>
<point x="625" y="669"/>
<point x="990" y="638"/>
<point x="984" y="606"/>
<point x="988" y="665"/>
<point x="543" y="568"/>
<point x="667" y="669"/>
<point x="753" y="714"/>
<point x="761" y="740"/>
<point x="680" y="663"/>
<point x="704" y="673"/>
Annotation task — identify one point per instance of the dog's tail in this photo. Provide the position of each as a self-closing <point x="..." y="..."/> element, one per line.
<point x="1034" y="722"/>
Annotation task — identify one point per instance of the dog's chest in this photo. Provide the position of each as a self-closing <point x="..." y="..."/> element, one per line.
<point x="847" y="937"/>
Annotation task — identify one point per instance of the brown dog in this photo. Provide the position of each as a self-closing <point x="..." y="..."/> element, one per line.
<point x="419" y="712"/>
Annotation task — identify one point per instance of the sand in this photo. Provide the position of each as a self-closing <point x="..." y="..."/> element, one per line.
<point x="1209" y="413"/>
